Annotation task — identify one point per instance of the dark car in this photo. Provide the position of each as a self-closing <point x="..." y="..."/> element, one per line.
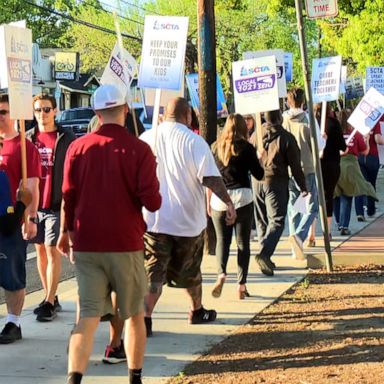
<point x="76" y="119"/>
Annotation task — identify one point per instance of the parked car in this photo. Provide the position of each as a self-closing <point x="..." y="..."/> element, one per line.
<point x="144" y="116"/>
<point x="76" y="119"/>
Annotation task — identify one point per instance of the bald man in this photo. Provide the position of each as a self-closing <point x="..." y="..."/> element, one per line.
<point x="174" y="237"/>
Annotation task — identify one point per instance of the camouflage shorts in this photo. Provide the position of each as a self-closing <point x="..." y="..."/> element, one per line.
<point x="173" y="260"/>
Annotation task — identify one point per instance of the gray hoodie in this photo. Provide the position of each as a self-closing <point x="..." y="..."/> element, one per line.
<point x="296" y="122"/>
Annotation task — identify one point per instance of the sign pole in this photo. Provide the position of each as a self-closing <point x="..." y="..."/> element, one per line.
<point x="207" y="69"/>
<point x="259" y="133"/>
<point x="120" y="43"/>
<point x="23" y="152"/>
<point x="155" y="117"/>
<point x="315" y="152"/>
<point x="323" y="117"/>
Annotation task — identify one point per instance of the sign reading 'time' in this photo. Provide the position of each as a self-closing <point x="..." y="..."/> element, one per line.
<point x="321" y="8"/>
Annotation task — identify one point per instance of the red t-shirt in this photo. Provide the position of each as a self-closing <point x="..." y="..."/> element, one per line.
<point x="357" y="144"/>
<point x="10" y="162"/>
<point x="109" y="175"/>
<point x="45" y="143"/>
<point x="373" y="150"/>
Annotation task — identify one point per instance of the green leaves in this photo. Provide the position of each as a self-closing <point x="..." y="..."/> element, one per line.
<point x="47" y="28"/>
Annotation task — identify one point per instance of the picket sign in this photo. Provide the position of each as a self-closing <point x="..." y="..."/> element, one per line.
<point x="354" y="88"/>
<point x="375" y="78"/>
<point x="16" y="75"/>
<point x="192" y="80"/>
<point x="325" y="84"/>
<point x="255" y="88"/>
<point x="162" y="57"/>
<point x="380" y="147"/>
<point x="325" y="80"/>
<point x="280" y="57"/>
<point x="121" y="69"/>
<point x="367" y="113"/>
<point x="288" y="65"/>
<point x="280" y="66"/>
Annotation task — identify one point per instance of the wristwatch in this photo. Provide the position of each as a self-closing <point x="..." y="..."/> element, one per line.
<point x="34" y="220"/>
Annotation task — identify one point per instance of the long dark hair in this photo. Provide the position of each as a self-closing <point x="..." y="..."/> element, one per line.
<point x="343" y="117"/>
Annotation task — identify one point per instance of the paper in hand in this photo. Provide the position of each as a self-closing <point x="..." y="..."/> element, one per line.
<point x="302" y="204"/>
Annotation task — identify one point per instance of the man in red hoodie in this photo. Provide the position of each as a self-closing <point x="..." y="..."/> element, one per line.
<point x="109" y="176"/>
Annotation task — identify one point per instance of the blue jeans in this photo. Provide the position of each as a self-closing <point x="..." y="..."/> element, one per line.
<point x="342" y="207"/>
<point x="369" y="166"/>
<point x="299" y="224"/>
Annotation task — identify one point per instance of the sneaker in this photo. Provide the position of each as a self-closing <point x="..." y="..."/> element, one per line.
<point x="46" y="312"/>
<point x="360" y="218"/>
<point x="10" y="333"/>
<point x="266" y="266"/>
<point x="56" y="304"/>
<point x="37" y="309"/>
<point x="297" y="247"/>
<point x="114" y="355"/>
<point x="345" y="232"/>
<point x="202" y="315"/>
<point x="148" y="326"/>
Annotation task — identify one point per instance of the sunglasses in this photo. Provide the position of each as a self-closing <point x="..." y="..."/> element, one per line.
<point x="44" y="109"/>
<point x="3" y="112"/>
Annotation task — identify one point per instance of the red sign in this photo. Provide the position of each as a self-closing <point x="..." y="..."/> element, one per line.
<point x="321" y="8"/>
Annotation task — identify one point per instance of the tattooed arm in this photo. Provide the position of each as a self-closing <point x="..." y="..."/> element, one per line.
<point x="217" y="186"/>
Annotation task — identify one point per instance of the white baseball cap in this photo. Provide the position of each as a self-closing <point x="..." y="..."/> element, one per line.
<point x="107" y="96"/>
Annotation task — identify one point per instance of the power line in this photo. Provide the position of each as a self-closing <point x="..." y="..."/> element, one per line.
<point x="82" y="22"/>
<point x="141" y="8"/>
<point x="119" y="15"/>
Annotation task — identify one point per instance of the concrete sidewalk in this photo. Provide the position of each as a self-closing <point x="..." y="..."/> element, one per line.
<point x="41" y="356"/>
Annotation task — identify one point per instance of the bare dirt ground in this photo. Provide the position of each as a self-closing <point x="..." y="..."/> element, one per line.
<point x="327" y="329"/>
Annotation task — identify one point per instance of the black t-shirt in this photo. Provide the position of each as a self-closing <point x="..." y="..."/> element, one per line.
<point x="335" y="141"/>
<point x="236" y="173"/>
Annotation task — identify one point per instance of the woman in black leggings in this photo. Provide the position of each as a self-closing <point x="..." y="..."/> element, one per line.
<point x="235" y="158"/>
<point x="330" y="158"/>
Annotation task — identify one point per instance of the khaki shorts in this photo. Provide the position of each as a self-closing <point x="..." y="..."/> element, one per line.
<point x="99" y="273"/>
<point x="173" y="260"/>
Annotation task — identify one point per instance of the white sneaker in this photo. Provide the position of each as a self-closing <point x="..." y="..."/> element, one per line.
<point x="297" y="247"/>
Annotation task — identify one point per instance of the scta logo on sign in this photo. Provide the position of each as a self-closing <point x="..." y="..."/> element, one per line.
<point x="18" y="46"/>
<point x="168" y="26"/>
<point x="250" y="71"/>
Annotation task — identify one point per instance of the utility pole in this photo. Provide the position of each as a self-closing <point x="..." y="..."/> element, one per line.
<point x="315" y="152"/>
<point x="207" y="69"/>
